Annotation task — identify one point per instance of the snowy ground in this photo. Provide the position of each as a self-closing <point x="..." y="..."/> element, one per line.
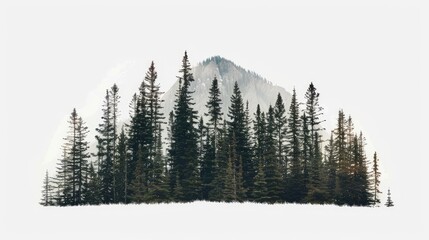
<point x="204" y="220"/>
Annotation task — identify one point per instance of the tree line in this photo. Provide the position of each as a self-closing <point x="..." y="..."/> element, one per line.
<point x="272" y="157"/>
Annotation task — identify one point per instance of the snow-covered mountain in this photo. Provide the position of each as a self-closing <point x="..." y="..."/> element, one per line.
<point x="254" y="88"/>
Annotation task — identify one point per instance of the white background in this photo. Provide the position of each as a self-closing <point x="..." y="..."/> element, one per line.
<point x="366" y="57"/>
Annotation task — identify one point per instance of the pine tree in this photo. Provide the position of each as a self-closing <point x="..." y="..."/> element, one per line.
<point x="273" y="175"/>
<point x="259" y="129"/>
<point x="114" y="97"/>
<point x="280" y="131"/>
<point x="76" y="165"/>
<point x="154" y="163"/>
<point x="295" y="183"/>
<point x="214" y="111"/>
<point x="105" y="131"/>
<point x="237" y="128"/>
<point x="389" y="202"/>
<point x="47" y="195"/>
<point x="341" y="155"/>
<point x="210" y="165"/>
<point x="184" y="152"/>
<point x="375" y="180"/>
<point x="313" y="114"/>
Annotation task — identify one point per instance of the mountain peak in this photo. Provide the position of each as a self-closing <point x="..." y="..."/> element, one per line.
<point x="224" y="65"/>
<point x="254" y="88"/>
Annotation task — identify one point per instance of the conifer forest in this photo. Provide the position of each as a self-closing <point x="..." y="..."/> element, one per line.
<point x="278" y="156"/>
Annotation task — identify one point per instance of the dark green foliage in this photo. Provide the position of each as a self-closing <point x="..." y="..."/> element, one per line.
<point x="313" y="113"/>
<point x="214" y="109"/>
<point x="280" y="132"/>
<point x="340" y="146"/>
<point x="295" y="182"/>
<point x="238" y="128"/>
<point x="106" y="139"/>
<point x="184" y="151"/>
<point x="273" y="167"/>
<point x="210" y="166"/>
<point x="259" y="147"/>
<point x="77" y="160"/>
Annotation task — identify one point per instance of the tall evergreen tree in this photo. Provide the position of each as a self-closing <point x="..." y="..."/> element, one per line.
<point x="273" y="175"/>
<point x="184" y="151"/>
<point x="295" y="184"/>
<point x="375" y="180"/>
<point x="106" y="152"/>
<point x="214" y="111"/>
<point x="210" y="165"/>
<point x="154" y="163"/>
<point x="280" y="131"/>
<point x="114" y="98"/>
<point x="341" y="155"/>
<point x="313" y="114"/>
<point x="76" y="165"/>
<point x="259" y="129"/>
<point x="237" y="128"/>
